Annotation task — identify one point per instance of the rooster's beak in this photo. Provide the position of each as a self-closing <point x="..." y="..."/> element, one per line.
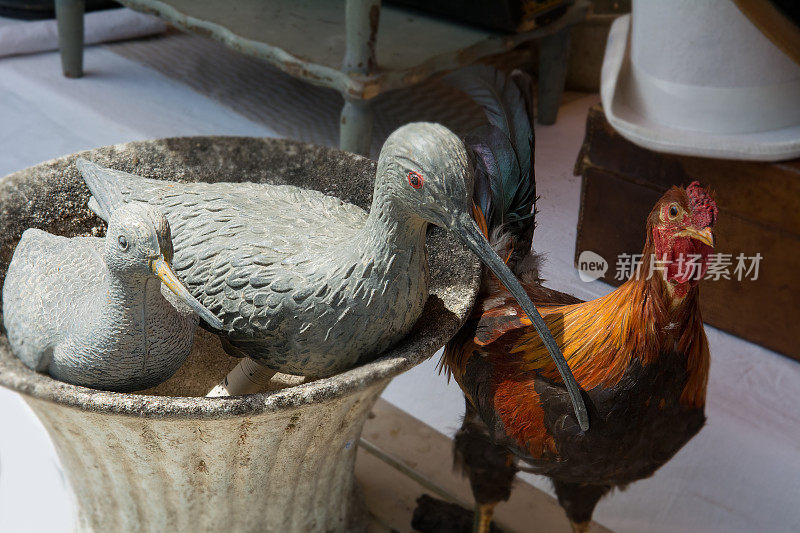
<point x="703" y="235"/>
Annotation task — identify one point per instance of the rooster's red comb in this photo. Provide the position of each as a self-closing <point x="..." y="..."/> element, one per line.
<point x="704" y="207"/>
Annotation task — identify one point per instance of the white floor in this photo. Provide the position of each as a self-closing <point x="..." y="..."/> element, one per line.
<point x="741" y="474"/>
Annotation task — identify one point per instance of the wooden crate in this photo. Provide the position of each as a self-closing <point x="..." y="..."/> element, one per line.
<point x="759" y="207"/>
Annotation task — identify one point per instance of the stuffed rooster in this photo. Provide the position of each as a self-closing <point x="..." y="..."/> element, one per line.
<point x="639" y="353"/>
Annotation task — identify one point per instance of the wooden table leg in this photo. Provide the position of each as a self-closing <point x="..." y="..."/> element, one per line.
<point x="69" y="14"/>
<point x="553" y="56"/>
<point x="355" y="127"/>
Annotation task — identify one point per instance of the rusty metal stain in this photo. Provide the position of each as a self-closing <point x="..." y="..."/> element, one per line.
<point x="374" y="20"/>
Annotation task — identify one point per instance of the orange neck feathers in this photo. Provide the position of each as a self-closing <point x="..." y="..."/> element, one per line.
<point x="600" y="338"/>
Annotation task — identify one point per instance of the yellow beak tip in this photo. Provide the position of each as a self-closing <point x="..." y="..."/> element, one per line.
<point x="705" y="235"/>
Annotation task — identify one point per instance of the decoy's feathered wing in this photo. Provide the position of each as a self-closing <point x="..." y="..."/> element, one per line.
<point x="50" y="273"/>
<point x="260" y="257"/>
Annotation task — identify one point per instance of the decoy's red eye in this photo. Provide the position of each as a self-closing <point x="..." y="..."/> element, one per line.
<point x="415" y="179"/>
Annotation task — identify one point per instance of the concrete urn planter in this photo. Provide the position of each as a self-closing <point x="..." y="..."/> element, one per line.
<point x="169" y="459"/>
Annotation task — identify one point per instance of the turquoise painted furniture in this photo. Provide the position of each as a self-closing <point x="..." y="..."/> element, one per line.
<point x="338" y="44"/>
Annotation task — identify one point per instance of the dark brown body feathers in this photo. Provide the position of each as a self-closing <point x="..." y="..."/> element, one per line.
<point x="639" y="353"/>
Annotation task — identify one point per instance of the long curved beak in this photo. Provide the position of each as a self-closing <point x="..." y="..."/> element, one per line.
<point x="705" y="235"/>
<point x="163" y="270"/>
<point x="468" y="231"/>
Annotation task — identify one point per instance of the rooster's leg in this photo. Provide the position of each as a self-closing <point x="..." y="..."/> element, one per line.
<point x="580" y="527"/>
<point x="483" y="518"/>
<point x="490" y="467"/>
<point x="578" y="501"/>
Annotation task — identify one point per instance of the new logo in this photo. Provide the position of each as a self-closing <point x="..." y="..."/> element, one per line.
<point x="591" y="266"/>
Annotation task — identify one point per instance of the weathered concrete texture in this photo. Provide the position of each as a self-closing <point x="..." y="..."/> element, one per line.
<point x="276" y="461"/>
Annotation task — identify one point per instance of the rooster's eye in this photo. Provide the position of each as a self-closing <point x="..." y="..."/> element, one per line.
<point x="673" y="211"/>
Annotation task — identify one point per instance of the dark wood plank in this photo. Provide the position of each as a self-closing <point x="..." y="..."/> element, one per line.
<point x="759" y="213"/>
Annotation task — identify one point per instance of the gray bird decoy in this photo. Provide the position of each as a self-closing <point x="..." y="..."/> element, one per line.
<point x="91" y="311"/>
<point x="305" y="283"/>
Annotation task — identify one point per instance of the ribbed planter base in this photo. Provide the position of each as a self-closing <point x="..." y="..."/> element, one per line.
<point x="289" y="470"/>
<point x="173" y="460"/>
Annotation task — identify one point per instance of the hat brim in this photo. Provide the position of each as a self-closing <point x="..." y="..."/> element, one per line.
<point x="637" y="127"/>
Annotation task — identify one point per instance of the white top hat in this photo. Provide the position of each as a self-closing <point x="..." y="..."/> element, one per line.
<point x="698" y="78"/>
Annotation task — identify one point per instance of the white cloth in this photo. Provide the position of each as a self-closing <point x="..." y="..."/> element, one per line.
<point x="26" y="37"/>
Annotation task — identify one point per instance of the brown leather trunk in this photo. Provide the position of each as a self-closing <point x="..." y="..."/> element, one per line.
<point x="759" y="206"/>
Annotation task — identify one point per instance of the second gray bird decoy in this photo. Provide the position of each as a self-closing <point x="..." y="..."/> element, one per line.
<point x="91" y="311"/>
<point x="307" y="284"/>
